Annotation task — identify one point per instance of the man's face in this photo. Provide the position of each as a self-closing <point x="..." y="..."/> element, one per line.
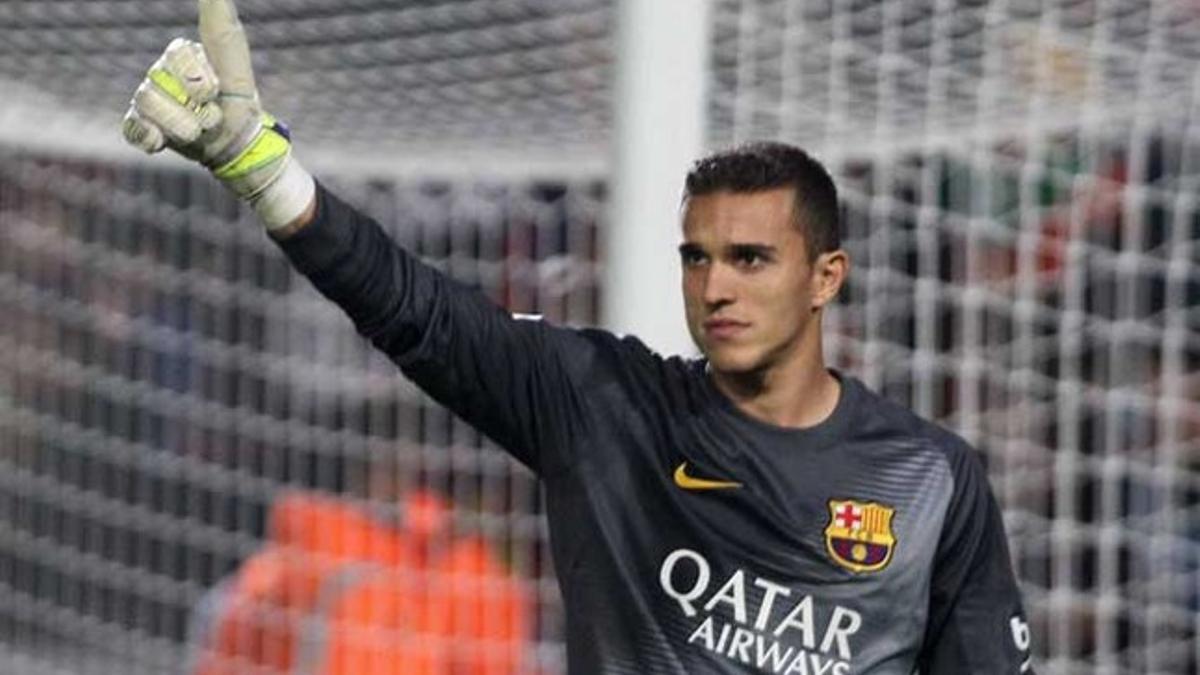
<point x="749" y="289"/>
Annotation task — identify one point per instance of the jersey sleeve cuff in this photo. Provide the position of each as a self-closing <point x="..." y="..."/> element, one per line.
<point x="320" y="244"/>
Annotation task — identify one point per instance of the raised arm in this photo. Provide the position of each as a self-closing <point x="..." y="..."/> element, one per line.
<point x="516" y="380"/>
<point x="512" y="379"/>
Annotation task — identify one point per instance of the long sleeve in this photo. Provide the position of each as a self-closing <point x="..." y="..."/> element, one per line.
<point x="511" y="378"/>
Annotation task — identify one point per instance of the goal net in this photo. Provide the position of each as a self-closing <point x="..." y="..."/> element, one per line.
<point x="1019" y="181"/>
<point x="1020" y="187"/>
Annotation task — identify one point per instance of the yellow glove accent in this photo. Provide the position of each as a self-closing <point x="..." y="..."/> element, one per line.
<point x="169" y="84"/>
<point x="268" y="146"/>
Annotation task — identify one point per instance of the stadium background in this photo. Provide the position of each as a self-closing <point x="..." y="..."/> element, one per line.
<point x="1019" y="181"/>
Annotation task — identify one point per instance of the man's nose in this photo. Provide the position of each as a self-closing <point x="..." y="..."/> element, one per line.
<point x="719" y="285"/>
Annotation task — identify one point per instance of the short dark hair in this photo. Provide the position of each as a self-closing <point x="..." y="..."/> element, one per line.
<point x="767" y="165"/>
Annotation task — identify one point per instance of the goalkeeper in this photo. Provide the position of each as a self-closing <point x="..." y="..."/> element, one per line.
<point x="749" y="511"/>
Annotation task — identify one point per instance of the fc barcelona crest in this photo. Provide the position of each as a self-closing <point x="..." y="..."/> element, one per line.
<point x="859" y="535"/>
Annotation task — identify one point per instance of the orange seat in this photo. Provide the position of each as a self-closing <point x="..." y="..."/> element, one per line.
<point x="463" y="616"/>
<point x="259" y="616"/>
<point x="327" y="559"/>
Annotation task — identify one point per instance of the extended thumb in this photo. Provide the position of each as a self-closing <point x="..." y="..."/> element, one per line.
<point x="224" y="42"/>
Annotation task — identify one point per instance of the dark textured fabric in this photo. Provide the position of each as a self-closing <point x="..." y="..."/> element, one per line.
<point x="867" y="544"/>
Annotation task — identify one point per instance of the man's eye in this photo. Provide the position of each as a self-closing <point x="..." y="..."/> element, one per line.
<point x="691" y="258"/>
<point x="750" y="258"/>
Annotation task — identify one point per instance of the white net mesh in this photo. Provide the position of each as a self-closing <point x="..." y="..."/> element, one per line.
<point x="860" y="78"/>
<point x="166" y="377"/>
<point x="364" y="79"/>
<point x="1019" y="180"/>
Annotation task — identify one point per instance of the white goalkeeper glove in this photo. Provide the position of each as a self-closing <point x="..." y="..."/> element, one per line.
<point x="200" y="100"/>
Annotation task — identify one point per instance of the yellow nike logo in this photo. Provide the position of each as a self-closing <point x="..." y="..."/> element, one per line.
<point x="683" y="480"/>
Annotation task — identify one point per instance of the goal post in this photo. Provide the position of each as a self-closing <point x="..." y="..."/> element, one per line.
<point x="658" y="130"/>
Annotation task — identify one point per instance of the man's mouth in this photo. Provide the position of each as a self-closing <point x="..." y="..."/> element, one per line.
<point x="724" y="329"/>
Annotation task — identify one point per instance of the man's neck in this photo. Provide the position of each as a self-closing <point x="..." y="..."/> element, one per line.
<point x="802" y="395"/>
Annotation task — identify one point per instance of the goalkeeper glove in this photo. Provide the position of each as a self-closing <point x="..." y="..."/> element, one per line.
<point x="200" y="100"/>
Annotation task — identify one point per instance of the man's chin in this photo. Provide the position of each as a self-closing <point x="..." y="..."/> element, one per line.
<point x="730" y="361"/>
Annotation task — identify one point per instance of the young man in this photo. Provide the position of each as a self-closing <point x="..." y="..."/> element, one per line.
<point x="751" y="511"/>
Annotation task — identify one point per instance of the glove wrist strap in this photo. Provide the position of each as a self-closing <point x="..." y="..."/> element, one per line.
<point x="286" y="198"/>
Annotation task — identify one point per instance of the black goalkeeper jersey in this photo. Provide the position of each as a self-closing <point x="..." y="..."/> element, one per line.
<point x="687" y="536"/>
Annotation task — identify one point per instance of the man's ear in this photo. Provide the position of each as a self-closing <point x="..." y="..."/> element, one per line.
<point x="829" y="273"/>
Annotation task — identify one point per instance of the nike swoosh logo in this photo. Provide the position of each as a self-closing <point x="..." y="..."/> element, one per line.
<point x="683" y="480"/>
